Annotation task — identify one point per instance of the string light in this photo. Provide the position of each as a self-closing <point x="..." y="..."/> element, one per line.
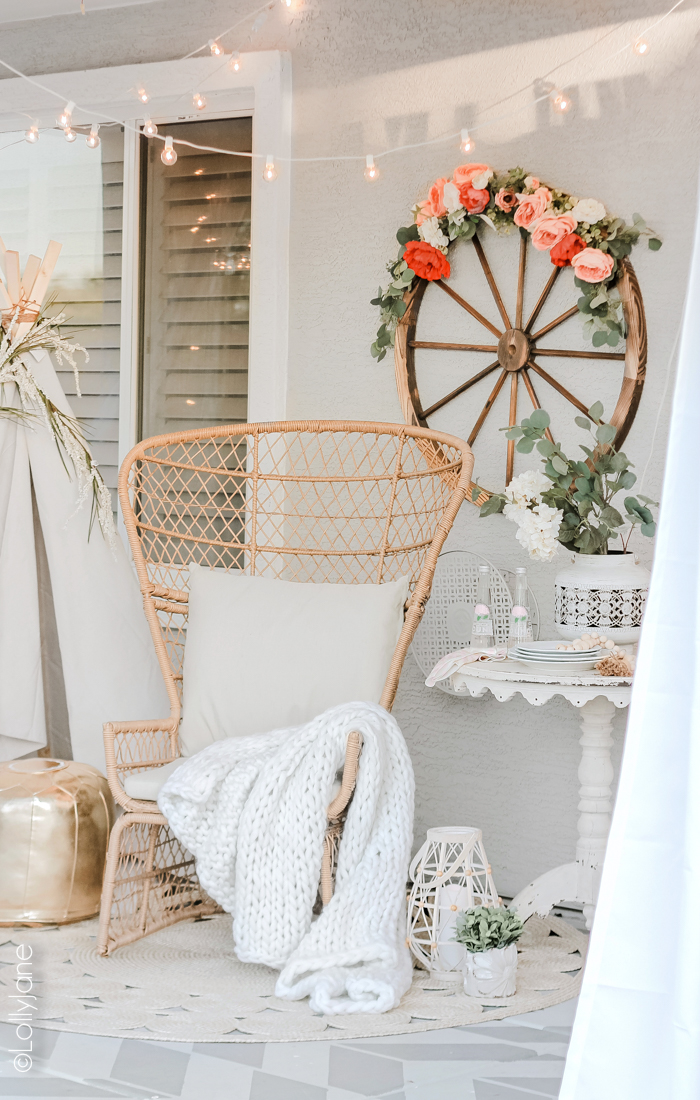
<point x="70" y="135"/>
<point x="199" y="101"/>
<point x="286" y="3"/>
<point x="371" y="172"/>
<point x="149" y="128"/>
<point x="32" y="135"/>
<point x="215" y="47"/>
<point x="560" y="101"/>
<point x="168" y="156"/>
<point x="66" y="116"/>
<point x="641" y="46"/>
<point x="93" y="140"/>
<point x="466" y="144"/>
<point x="235" y="61"/>
<point x="143" y="95"/>
<point x="270" y="170"/>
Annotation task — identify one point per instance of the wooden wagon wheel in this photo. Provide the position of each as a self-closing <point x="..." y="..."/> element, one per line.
<point x="513" y="352"/>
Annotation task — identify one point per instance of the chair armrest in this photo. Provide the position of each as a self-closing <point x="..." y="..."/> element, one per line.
<point x="339" y="804"/>
<point x="134" y="747"/>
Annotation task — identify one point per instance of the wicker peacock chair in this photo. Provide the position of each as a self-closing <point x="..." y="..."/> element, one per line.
<point x="304" y="500"/>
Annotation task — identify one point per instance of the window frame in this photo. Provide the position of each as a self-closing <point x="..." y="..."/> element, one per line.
<point x="262" y="88"/>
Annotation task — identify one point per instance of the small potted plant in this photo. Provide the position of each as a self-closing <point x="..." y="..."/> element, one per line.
<point x="489" y="935"/>
<point x="569" y="502"/>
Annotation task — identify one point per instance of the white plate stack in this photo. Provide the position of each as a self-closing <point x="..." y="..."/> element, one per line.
<point x="547" y="657"/>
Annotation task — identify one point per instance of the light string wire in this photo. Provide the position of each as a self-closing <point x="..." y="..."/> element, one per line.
<point x="345" y="157"/>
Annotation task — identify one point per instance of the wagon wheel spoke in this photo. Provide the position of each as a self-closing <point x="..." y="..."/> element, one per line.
<point x="578" y="354"/>
<point x="478" y="247"/>
<point x="487" y="407"/>
<point x="460" y="389"/>
<point x="558" y="387"/>
<point x="557" y="321"/>
<point x="543" y="298"/>
<point x="533" y="397"/>
<point x="452" y="347"/>
<point x="465" y="305"/>
<point x="521" y="284"/>
<point x="512" y="421"/>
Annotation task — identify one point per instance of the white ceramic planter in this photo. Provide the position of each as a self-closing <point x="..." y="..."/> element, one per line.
<point x="491" y="973"/>
<point x="602" y="592"/>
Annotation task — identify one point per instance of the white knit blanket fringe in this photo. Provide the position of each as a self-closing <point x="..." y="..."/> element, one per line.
<point x="252" y="810"/>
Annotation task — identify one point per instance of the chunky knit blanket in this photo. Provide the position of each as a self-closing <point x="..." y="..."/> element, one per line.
<point x="252" y="810"/>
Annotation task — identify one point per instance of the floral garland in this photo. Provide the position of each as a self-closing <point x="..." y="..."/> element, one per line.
<point x="577" y="233"/>
<point x="15" y="347"/>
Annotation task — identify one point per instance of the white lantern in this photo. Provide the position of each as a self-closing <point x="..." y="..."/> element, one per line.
<point x="450" y="873"/>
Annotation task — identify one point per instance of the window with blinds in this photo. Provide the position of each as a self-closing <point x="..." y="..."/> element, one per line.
<point x="195" y="279"/>
<point x="73" y="194"/>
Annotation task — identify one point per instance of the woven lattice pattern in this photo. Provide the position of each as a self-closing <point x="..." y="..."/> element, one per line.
<point x="338" y="502"/>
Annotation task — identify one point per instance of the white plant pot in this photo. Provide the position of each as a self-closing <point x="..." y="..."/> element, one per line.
<point x="602" y="592"/>
<point x="491" y="973"/>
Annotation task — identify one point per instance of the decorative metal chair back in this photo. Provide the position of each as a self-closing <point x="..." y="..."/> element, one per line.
<point x="307" y="501"/>
<point x="447" y="623"/>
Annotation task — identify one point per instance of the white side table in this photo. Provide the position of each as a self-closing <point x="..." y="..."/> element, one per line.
<point x="596" y="697"/>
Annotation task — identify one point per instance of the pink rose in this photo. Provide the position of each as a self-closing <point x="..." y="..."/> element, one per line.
<point x="473" y="200"/>
<point x="464" y="175"/>
<point x="433" y="206"/>
<point x="506" y="199"/>
<point x="549" y="231"/>
<point x="592" y="266"/>
<point x="532" y="207"/>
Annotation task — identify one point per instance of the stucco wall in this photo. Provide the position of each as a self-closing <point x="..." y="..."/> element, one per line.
<point x="380" y="72"/>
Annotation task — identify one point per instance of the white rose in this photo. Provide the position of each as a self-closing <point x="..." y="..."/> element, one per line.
<point x="431" y="233"/>
<point x="480" y="181"/>
<point x="588" y="210"/>
<point x="531" y="183"/>
<point x="451" y="199"/>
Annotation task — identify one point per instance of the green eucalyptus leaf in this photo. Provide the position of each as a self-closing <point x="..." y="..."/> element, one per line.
<point x="539" y="419"/>
<point x="611" y="516"/>
<point x="525" y="446"/>
<point x="546" y="448"/>
<point x="605" y="433"/>
<point x="493" y="505"/>
<point x="559" y="464"/>
<point x="655" y="244"/>
<point x="627" y="479"/>
<point x="596" y="411"/>
<point x="648" y="529"/>
<point x="582" y="422"/>
<point x="407" y="233"/>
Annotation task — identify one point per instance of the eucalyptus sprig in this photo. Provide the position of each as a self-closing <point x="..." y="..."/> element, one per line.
<point x="484" y="928"/>
<point x="582" y="489"/>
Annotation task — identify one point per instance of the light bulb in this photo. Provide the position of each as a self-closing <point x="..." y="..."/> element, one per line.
<point x="149" y="128"/>
<point x="560" y="102"/>
<point x="168" y="156"/>
<point x="286" y="3"/>
<point x="70" y="135"/>
<point x="199" y="101"/>
<point x="215" y="48"/>
<point x="371" y="172"/>
<point x="641" y="46"/>
<point x="32" y="135"/>
<point x="92" y="141"/>
<point x="143" y="95"/>
<point x="466" y="144"/>
<point x="235" y="61"/>
<point x="270" y="170"/>
<point x="66" y="116"/>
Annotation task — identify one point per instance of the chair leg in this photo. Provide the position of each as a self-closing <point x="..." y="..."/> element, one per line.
<point x="113" y="852"/>
<point x="336" y="813"/>
<point x="150" y="867"/>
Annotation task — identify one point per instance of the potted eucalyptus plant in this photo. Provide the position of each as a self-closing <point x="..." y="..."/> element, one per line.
<point x="489" y="934"/>
<point x="574" y="503"/>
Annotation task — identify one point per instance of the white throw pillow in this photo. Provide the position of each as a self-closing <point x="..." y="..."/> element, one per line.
<point x="264" y="654"/>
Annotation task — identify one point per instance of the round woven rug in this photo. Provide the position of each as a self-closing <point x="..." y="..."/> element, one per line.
<point x="185" y="984"/>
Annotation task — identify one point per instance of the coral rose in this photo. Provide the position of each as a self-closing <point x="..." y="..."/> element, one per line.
<point x="474" y="201"/>
<point x="433" y="206"/>
<point x="563" y="253"/>
<point x="532" y="207"/>
<point x="506" y="199"/>
<point x="549" y="231"/>
<point x="592" y="266"/>
<point x="464" y="175"/>
<point x="427" y="262"/>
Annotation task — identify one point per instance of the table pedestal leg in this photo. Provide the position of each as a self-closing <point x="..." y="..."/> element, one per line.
<point x="580" y="881"/>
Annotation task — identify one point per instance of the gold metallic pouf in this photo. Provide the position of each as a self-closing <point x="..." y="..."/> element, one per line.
<point x="55" y="819"/>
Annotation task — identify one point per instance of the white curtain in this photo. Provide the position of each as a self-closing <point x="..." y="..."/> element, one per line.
<point x="637" y="1029"/>
<point x="109" y="664"/>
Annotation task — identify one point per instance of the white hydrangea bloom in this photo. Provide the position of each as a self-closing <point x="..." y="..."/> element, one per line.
<point x="588" y="210"/>
<point x="451" y="199"/>
<point x="527" y="487"/>
<point x="537" y="530"/>
<point x="431" y="233"/>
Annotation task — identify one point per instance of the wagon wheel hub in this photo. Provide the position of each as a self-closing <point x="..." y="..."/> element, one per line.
<point x="513" y="349"/>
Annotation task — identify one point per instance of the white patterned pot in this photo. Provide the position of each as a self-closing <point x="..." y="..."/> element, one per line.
<point x="491" y="973"/>
<point x="602" y="592"/>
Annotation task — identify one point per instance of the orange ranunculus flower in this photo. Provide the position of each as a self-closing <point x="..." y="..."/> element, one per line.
<point x="427" y="262"/>
<point x="562" y="254"/>
<point x="464" y="175"/>
<point x="592" y="265"/>
<point x="549" y="231"/>
<point x="532" y="207"/>
<point x="473" y="200"/>
<point x="433" y="206"/>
